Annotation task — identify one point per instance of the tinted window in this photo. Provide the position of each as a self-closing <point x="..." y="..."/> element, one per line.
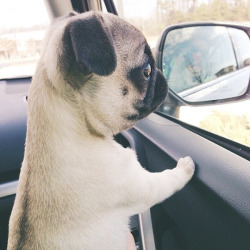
<point x="230" y="120"/>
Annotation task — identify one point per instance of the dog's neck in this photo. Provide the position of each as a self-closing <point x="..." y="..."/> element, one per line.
<point x="96" y="127"/>
<point x="55" y="126"/>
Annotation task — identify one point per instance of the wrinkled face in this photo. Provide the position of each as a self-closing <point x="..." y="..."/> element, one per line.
<point x="112" y="69"/>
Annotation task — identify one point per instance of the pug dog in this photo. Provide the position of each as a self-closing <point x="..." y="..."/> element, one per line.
<point x="78" y="187"/>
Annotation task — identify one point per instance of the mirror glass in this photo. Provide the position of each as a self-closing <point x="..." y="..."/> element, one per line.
<point x="204" y="63"/>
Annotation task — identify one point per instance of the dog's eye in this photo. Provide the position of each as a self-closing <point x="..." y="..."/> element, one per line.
<point x="147" y="71"/>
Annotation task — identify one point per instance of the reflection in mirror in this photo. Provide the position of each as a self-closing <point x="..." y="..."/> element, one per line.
<point x="204" y="63"/>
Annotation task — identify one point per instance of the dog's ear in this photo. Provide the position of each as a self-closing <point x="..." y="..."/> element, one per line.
<point x="93" y="45"/>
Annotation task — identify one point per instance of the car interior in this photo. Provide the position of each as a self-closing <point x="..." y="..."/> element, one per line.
<point x="212" y="211"/>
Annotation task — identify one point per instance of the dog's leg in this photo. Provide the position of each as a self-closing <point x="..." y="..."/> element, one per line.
<point x="152" y="188"/>
<point x="168" y="182"/>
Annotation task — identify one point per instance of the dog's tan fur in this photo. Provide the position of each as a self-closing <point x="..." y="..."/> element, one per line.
<point x="77" y="186"/>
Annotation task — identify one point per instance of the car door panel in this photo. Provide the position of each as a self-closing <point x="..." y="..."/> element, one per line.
<point x="13" y="118"/>
<point x="6" y="204"/>
<point x="212" y="211"/>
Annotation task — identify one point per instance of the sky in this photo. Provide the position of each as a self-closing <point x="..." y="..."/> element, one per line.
<point x="137" y="8"/>
<point x="26" y="13"/>
<point x="142" y="8"/>
<point x="22" y="13"/>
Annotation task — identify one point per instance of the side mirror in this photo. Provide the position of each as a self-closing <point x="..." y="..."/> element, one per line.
<point x="206" y="62"/>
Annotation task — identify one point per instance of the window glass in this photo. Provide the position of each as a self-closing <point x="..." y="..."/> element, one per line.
<point x="231" y="120"/>
<point x="21" y="35"/>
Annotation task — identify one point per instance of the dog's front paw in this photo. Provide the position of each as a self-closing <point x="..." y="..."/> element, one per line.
<point x="186" y="164"/>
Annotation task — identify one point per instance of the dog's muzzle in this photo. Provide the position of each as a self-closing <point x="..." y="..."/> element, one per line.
<point x="156" y="94"/>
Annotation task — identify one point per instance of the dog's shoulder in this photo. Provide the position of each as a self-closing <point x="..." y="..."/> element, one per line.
<point x="113" y="150"/>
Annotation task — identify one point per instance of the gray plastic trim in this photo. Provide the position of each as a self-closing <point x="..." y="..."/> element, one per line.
<point x="147" y="235"/>
<point x="7" y="189"/>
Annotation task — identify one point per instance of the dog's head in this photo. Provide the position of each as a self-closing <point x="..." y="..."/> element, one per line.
<point x="110" y="68"/>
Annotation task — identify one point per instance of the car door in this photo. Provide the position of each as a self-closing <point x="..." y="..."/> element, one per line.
<point x="212" y="211"/>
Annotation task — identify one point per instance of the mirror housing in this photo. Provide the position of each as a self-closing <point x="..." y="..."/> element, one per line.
<point x="224" y="83"/>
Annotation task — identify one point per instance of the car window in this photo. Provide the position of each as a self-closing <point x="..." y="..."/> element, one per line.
<point x="21" y="35"/>
<point x="229" y="54"/>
